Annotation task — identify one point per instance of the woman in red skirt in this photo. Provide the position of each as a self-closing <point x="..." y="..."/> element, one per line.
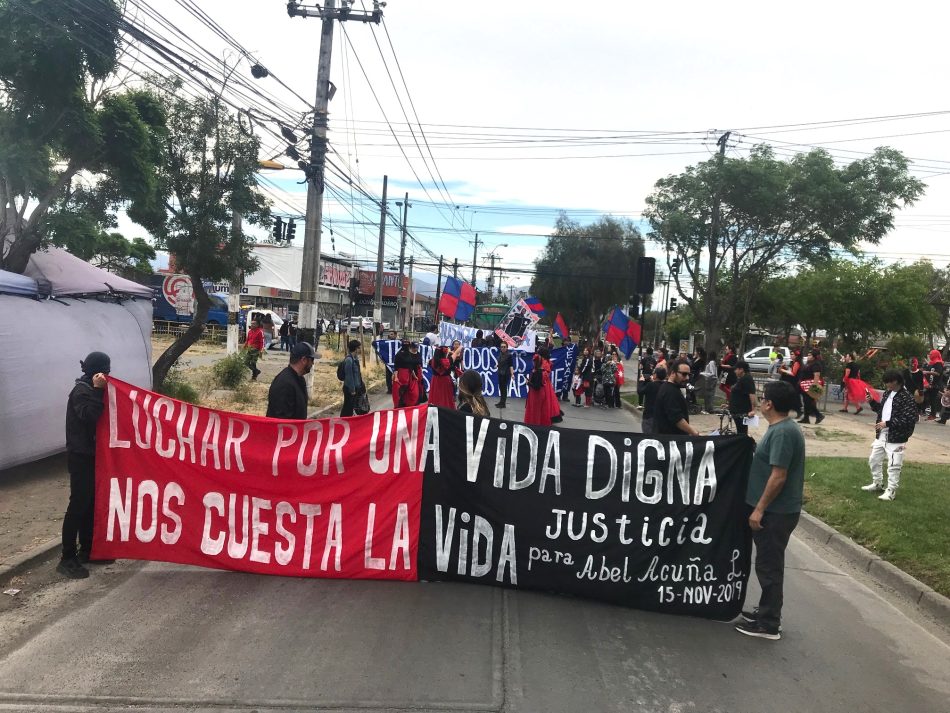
<point x="537" y="407"/>
<point x="407" y="376"/>
<point x="441" y="388"/>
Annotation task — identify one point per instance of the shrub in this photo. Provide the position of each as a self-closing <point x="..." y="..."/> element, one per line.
<point x="230" y="372"/>
<point x="180" y="390"/>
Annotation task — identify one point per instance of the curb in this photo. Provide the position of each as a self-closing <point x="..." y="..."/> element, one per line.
<point x="25" y="560"/>
<point x="884" y="573"/>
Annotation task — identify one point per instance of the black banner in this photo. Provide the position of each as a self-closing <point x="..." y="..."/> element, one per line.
<point x="656" y="523"/>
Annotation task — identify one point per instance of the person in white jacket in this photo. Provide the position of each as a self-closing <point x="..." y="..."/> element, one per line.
<point x="710" y="382"/>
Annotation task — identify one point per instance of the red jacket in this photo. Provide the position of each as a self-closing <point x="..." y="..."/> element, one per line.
<point x="255" y="339"/>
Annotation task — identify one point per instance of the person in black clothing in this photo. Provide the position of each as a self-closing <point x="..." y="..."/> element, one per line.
<point x="647" y="364"/>
<point x="648" y="389"/>
<point x="505" y="373"/>
<point x="83" y="409"/>
<point x="393" y="336"/>
<point x="742" y="400"/>
<point x="811" y="372"/>
<point x="353" y="384"/>
<point x="671" y="414"/>
<point x="791" y="375"/>
<point x="478" y="340"/>
<point x="287" y="396"/>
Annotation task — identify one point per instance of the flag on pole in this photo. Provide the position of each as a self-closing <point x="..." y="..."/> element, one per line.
<point x="535" y="304"/>
<point x="458" y="299"/>
<point x="560" y="326"/>
<point x="619" y="329"/>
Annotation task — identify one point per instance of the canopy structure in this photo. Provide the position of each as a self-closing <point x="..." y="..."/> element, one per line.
<point x="13" y="284"/>
<point x="59" y="273"/>
<point x="37" y="376"/>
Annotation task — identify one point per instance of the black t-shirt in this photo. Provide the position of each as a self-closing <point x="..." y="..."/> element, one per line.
<point x="670" y="409"/>
<point x="854" y="371"/>
<point x="740" y="400"/>
<point x="504" y="366"/>
<point x="646" y="365"/>
<point x="649" y="389"/>
<point x="914" y="380"/>
<point x="730" y="360"/>
<point x="936" y="380"/>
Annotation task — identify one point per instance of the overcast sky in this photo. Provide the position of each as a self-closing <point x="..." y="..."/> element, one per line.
<point x="553" y="76"/>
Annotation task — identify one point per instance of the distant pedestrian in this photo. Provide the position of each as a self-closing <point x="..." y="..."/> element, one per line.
<point x="393" y="337"/>
<point x="317" y="333"/>
<point x="936" y="378"/>
<point x="353" y="385"/>
<point x="896" y="419"/>
<point x="470" y="394"/>
<point x="83" y="410"/>
<point x="647" y="389"/>
<point x="774" y="495"/>
<point x="851" y="384"/>
<point x="671" y="414"/>
<point x="791" y="375"/>
<point x="254" y="348"/>
<point x="505" y="373"/>
<point x="728" y="367"/>
<point x="812" y="387"/>
<point x="287" y="396"/>
<point x="608" y="375"/>
<point x="647" y="364"/>
<point x="407" y="376"/>
<point x="284" y="333"/>
<point x="742" y="399"/>
<point x="292" y="333"/>
<point x="915" y="383"/>
<point x="711" y="382"/>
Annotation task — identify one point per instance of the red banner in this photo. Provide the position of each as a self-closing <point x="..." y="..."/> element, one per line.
<point x="335" y="497"/>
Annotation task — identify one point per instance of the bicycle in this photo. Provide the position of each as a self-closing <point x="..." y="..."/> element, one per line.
<point x="727" y="426"/>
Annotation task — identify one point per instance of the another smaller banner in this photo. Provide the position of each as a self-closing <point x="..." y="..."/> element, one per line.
<point x="449" y="332"/>
<point x="514" y="325"/>
<point x="484" y="360"/>
<point x="619" y="329"/>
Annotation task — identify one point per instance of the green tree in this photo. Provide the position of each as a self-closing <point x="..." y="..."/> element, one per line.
<point x="57" y="120"/>
<point x="774" y="215"/>
<point x="209" y="175"/>
<point x="111" y="251"/>
<point x="584" y="270"/>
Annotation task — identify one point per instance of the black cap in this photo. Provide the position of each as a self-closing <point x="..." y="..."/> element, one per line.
<point x="302" y="349"/>
<point x="95" y="363"/>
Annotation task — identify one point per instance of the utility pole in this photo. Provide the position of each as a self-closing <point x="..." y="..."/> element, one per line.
<point x="378" y="301"/>
<point x="712" y="344"/>
<point x="401" y="306"/>
<point x="491" y="276"/>
<point x="455" y="268"/>
<point x="314" y="170"/>
<point x="234" y="291"/>
<point x="411" y="296"/>
<point x="475" y="258"/>
<point x="438" y="287"/>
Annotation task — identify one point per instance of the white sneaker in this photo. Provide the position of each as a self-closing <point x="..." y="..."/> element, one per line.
<point x="887" y="495"/>
<point x="873" y="488"/>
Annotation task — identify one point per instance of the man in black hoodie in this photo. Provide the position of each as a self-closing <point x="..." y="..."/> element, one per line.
<point x="83" y="409"/>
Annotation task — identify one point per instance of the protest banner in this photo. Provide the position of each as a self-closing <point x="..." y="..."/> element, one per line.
<point x="655" y="523"/>
<point x="329" y="498"/>
<point x="484" y="360"/>
<point x="449" y="332"/>
<point x="422" y="492"/>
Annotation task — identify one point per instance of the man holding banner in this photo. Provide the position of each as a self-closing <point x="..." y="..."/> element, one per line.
<point x="776" y="482"/>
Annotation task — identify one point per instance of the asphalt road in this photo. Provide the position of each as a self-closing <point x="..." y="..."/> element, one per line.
<point x="158" y="637"/>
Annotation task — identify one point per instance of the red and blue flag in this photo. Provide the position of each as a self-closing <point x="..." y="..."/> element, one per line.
<point x="621" y="330"/>
<point x="535" y="304"/>
<point x="458" y="299"/>
<point x="560" y="326"/>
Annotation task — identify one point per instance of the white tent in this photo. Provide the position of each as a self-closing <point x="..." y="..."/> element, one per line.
<point x="44" y="340"/>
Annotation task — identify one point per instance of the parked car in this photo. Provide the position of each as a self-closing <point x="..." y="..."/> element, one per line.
<point x="758" y="358"/>
<point x="353" y="324"/>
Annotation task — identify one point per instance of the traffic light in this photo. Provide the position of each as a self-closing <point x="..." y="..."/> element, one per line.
<point x="278" y="229"/>
<point x="634" y="305"/>
<point x="672" y="304"/>
<point x="675" y="266"/>
<point x="291" y="230"/>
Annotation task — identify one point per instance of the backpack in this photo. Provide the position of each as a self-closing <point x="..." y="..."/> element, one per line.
<point x="341" y="370"/>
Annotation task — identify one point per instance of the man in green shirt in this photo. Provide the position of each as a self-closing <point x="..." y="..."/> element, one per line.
<point x="776" y="481"/>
